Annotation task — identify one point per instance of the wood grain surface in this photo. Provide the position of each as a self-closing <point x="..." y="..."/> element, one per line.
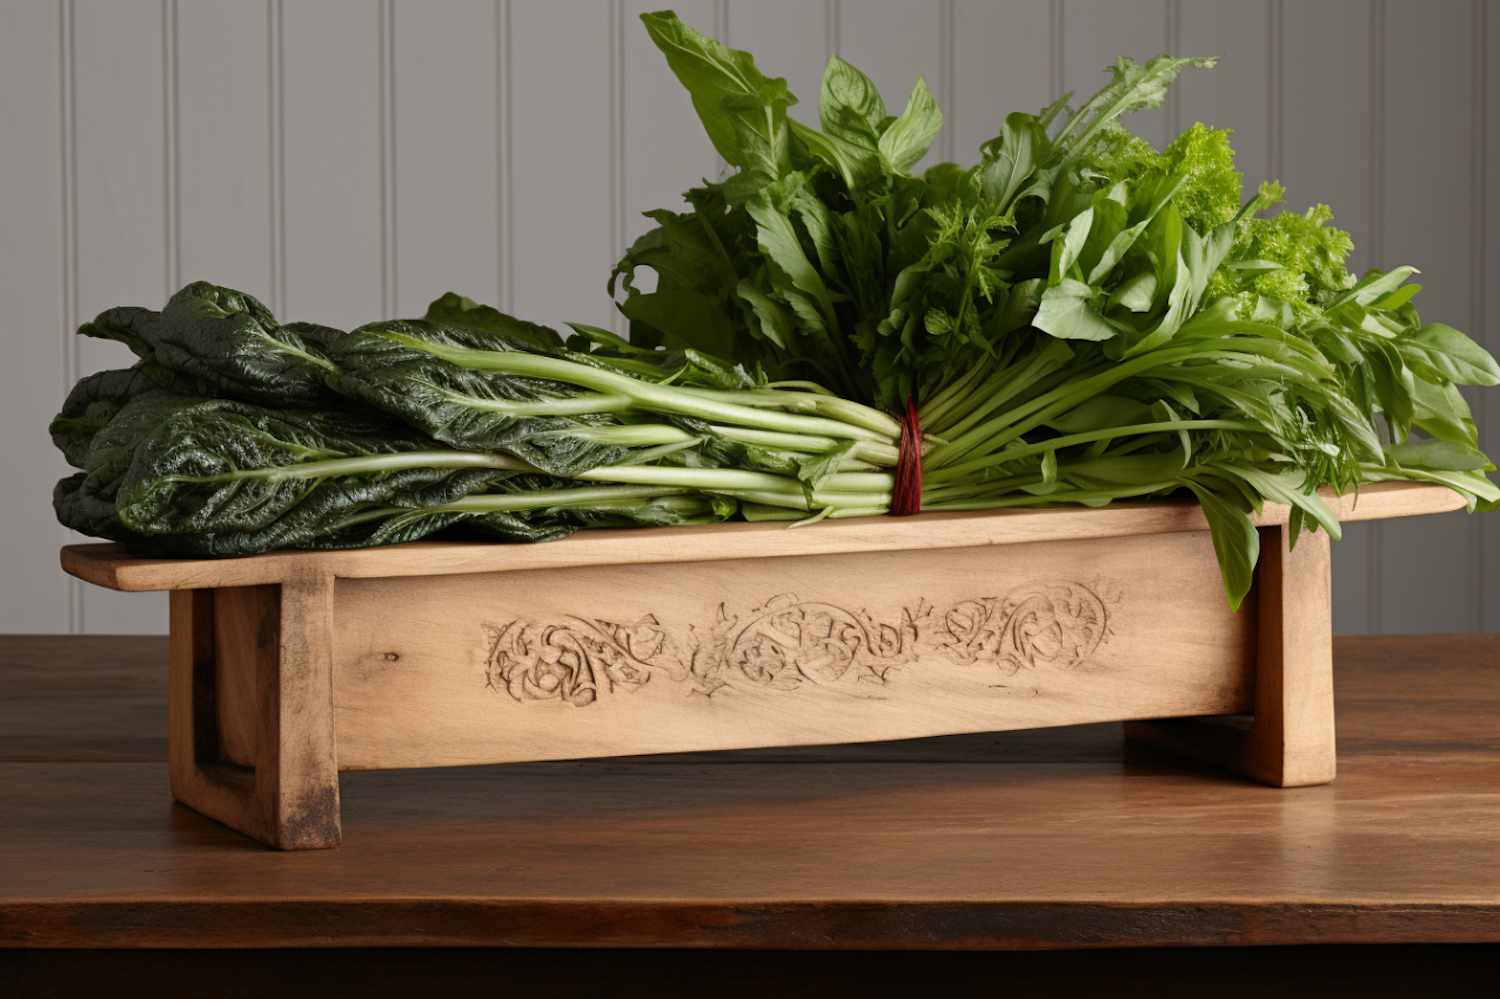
<point x="618" y="660"/>
<point x="1064" y="838"/>
<point x="1288" y="739"/>
<point x="108" y="565"/>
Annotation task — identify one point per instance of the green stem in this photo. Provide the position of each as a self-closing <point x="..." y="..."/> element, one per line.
<point x="1004" y="386"/>
<point x="661" y="399"/>
<point x="539" y="499"/>
<point x="950" y="472"/>
<point x="820" y="499"/>
<point x="973" y="490"/>
<point x="366" y="464"/>
<point x="803" y="385"/>
<point x="646" y="456"/>
<point x="884" y="455"/>
<point x="1003" y="429"/>
<point x="729" y="479"/>
<point x="1084" y="496"/>
<point x="933" y="411"/>
<point x="627" y="435"/>
<point x="831" y="406"/>
<point x="580" y="405"/>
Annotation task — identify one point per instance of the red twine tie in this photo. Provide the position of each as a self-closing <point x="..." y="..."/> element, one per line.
<point x="906" y="496"/>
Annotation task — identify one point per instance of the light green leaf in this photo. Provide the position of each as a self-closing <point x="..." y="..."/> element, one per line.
<point x="773" y="324"/>
<point x="910" y="136"/>
<point x="857" y="164"/>
<point x="1235" y="539"/>
<point x="1444" y="351"/>
<point x="1442" y="412"/>
<point x="1066" y="313"/>
<point x="1288" y="488"/>
<point x="1049" y="468"/>
<point x="778" y="240"/>
<point x="1437" y="456"/>
<point x="1012" y="158"/>
<point x="1117" y="248"/>
<point x="1072" y="243"/>
<point x="1375" y="285"/>
<point x="1136" y="293"/>
<point x="743" y="111"/>
<point x="814" y="470"/>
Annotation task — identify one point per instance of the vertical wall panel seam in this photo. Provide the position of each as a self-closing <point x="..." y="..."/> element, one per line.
<point x="1275" y="52"/>
<point x="1173" y="45"/>
<point x="505" y="189"/>
<point x="1478" y="218"/>
<point x="171" y="175"/>
<point x="617" y="140"/>
<point x="1057" y="50"/>
<point x="1375" y="596"/>
<point x="276" y="149"/>
<point x="68" y="119"/>
<point x="831" y="28"/>
<point x="387" y="75"/>
<point x="721" y="33"/>
<point x="948" y="75"/>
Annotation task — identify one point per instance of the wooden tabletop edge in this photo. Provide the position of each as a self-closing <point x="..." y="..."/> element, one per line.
<point x="794" y="924"/>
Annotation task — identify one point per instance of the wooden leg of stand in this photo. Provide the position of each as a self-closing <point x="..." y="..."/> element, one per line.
<point x="1289" y="741"/>
<point x="289" y="798"/>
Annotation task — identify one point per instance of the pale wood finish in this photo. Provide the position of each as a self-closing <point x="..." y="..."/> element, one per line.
<point x="245" y="627"/>
<point x="1289" y="741"/>
<point x="103" y="699"/>
<point x="108" y="565"/>
<point x="280" y="712"/>
<point x="617" y="643"/>
<point x="622" y="660"/>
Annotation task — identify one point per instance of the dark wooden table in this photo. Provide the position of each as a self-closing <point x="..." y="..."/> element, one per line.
<point x="1087" y="860"/>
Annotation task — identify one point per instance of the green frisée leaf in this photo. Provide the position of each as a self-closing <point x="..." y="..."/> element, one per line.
<point x="1133" y="87"/>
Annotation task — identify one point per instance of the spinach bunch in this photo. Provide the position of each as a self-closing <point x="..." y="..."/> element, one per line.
<point x="233" y="434"/>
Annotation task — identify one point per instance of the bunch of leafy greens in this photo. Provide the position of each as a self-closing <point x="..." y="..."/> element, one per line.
<point x="1081" y="316"/>
<point x="233" y="434"/>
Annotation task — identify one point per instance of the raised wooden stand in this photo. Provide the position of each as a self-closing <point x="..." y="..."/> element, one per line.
<point x="290" y="667"/>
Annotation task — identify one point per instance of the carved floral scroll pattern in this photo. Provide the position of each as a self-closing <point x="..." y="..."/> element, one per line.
<point x="786" y="643"/>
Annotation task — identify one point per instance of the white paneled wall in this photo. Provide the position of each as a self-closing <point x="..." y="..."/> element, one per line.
<point x="347" y="160"/>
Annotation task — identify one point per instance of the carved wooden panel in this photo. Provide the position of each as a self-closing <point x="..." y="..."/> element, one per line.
<point x="786" y="642"/>
<point x="616" y="660"/>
